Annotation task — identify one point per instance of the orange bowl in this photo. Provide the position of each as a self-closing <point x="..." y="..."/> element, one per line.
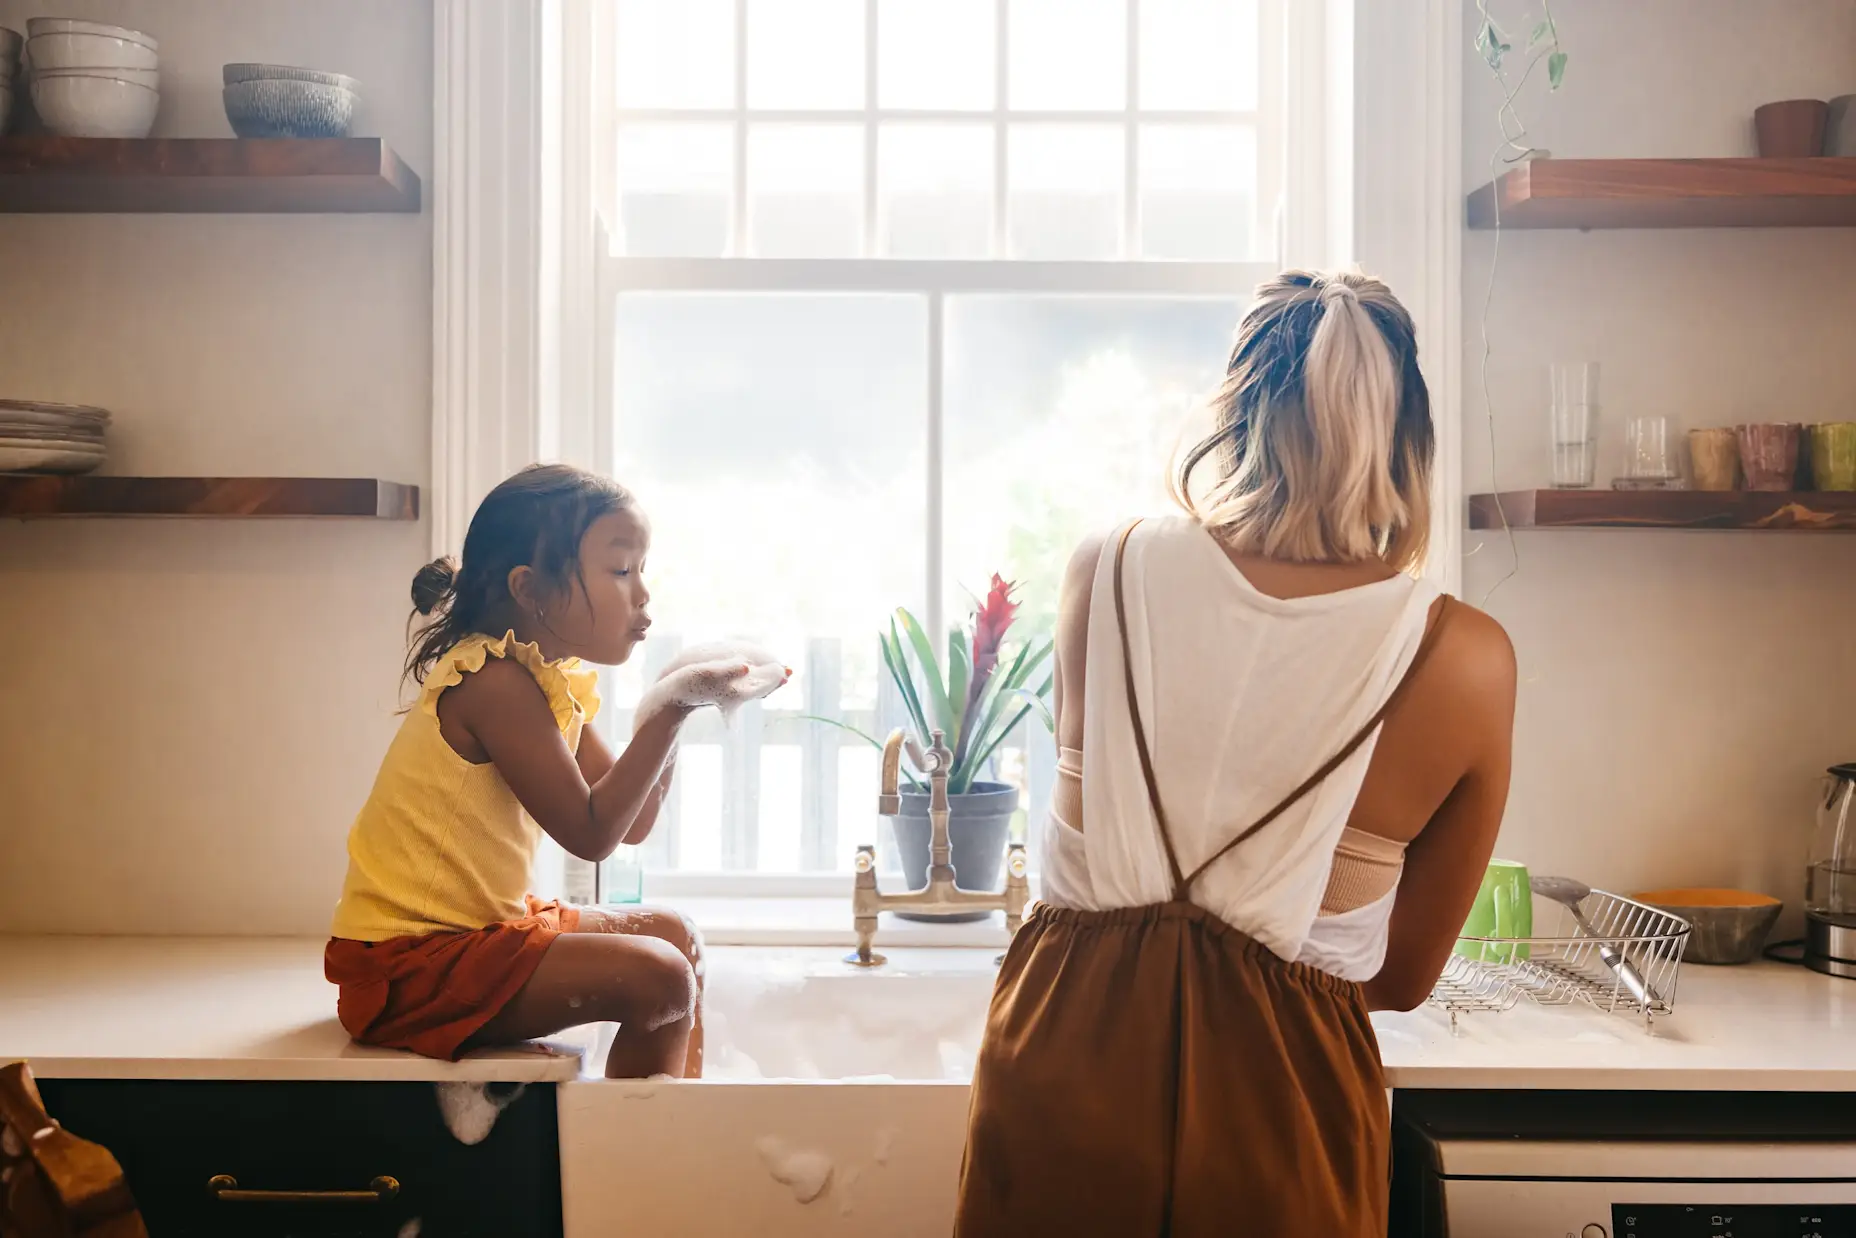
<point x="1726" y="926"/>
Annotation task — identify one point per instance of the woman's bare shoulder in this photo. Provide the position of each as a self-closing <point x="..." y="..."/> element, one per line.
<point x="1474" y="654"/>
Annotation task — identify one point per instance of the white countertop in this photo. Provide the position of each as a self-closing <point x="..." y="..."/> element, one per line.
<point x="207" y="1008"/>
<point x="258" y="1008"/>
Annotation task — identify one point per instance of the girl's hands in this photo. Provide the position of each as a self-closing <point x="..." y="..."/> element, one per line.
<point x="725" y="676"/>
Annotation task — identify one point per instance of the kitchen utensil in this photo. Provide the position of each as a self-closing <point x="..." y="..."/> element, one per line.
<point x="90" y="51"/>
<point x="278" y="108"/>
<point x="1830" y="881"/>
<point x="1714" y="458"/>
<point x="232" y="74"/>
<point x="150" y="78"/>
<point x="1792" y="129"/>
<point x="1503" y="908"/>
<point x="1573" y="422"/>
<point x="36" y="26"/>
<point x="95" y="107"/>
<point x="1769" y="455"/>
<point x="1726" y="926"/>
<point x="1572" y="895"/>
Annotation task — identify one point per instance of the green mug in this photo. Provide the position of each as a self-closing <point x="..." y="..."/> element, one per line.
<point x="1504" y="907"/>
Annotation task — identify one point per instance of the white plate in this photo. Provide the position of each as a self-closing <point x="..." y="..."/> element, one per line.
<point x="10" y="430"/>
<point x="75" y="412"/>
<point x="39" y="458"/>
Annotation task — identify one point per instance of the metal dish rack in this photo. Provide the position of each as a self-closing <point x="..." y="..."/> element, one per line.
<point x="1565" y="967"/>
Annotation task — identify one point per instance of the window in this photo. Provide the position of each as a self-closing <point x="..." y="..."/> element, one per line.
<point x="903" y="293"/>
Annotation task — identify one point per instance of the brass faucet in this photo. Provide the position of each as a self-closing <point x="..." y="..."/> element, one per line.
<point x="941" y="897"/>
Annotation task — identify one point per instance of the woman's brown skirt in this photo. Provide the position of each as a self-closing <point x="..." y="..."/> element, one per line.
<point x="1153" y="1071"/>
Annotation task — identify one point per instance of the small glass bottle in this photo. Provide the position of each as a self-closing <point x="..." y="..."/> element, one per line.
<point x="621" y="876"/>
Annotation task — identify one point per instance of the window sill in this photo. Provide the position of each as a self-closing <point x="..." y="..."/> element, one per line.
<point x="759" y="921"/>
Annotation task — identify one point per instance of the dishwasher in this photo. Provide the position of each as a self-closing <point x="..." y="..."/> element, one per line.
<point x="1563" y="1164"/>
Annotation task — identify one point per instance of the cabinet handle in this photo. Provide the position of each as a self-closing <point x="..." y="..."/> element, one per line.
<point x="225" y="1187"/>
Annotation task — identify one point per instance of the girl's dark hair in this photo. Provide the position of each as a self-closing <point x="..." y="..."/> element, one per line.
<point x="537" y="519"/>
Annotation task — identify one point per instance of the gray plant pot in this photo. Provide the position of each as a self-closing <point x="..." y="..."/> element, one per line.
<point x="978" y="825"/>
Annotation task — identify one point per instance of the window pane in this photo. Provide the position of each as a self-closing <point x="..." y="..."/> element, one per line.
<point x="675" y="55"/>
<point x="805" y="191"/>
<point x="1068" y="54"/>
<point x="935" y="53"/>
<point x="1062" y="416"/>
<point x="1198" y="191"/>
<point x="1199" y="54"/>
<point x="805" y="53"/>
<point x="778" y="444"/>
<point x="934" y="190"/>
<point x="674" y="183"/>
<point x="1065" y="188"/>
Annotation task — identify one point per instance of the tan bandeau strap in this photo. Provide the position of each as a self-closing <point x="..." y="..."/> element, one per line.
<point x="1182" y="882"/>
<point x="1134" y="714"/>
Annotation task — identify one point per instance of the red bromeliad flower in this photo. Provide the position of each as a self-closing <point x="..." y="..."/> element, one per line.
<point x="989" y="627"/>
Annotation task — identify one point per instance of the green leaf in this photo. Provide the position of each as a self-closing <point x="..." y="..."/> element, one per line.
<point x="913" y="781"/>
<point x="941" y="709"/>
<point x="985" y="755"/>
<point x="1542" y="32"/>
<point x="1556" y="70"/>
<point x="1489" y="42"/>
<point x="898" y="667"/>
<point x="1038" y="706"/>
<point x="959" y="678"/>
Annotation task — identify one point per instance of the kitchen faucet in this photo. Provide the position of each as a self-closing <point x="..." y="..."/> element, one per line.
<point x="940" y="897"/>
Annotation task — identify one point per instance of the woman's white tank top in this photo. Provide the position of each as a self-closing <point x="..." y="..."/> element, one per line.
<point x="1243" y="696"/>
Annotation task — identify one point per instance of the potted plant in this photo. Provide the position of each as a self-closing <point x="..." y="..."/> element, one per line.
<point x="975" y="701"/>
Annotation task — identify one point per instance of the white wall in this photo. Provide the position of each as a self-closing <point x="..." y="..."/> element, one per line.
<point x="190" y="713"/>
<point x="1681" y="692"/>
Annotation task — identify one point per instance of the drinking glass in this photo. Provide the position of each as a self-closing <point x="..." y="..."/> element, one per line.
<point x="1573" y="422"/>
<point x="1647" y="456"/>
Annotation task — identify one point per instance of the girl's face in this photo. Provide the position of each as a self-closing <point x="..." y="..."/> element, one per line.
<point x="602" y="616"/>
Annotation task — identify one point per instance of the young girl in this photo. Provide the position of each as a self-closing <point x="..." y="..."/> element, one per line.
<point x="437" y="945"/>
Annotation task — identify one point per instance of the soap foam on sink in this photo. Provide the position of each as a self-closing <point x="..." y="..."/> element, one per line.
<point x="806" y="1173"/>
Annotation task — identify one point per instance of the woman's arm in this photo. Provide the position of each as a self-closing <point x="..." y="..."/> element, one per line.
<point x="1468" y="707"/>
<point x="505" y="711"/>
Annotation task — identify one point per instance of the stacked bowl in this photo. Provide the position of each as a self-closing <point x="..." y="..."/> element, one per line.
<point x="10" y="45"/>
<point x="93" y="81"/>
<point x="283" y="101"/>
<point x="50" y="438"/>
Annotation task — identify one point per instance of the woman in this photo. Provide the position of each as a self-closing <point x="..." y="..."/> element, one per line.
<point x="1284" y="759"/>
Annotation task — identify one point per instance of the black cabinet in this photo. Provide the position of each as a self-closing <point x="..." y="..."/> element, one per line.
<point x="175" y="1137"/>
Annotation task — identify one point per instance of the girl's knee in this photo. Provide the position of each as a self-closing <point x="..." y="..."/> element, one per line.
<point x="663" y="983"/>
<point x="677" y="929"/>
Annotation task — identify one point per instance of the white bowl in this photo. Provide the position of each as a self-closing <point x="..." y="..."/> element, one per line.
<point x="66" y="25"/>
<point x="150" y="78"/>
<point x="95" y="107"/>
<point x="88" y="51"/>
<point x="235" y="73"/>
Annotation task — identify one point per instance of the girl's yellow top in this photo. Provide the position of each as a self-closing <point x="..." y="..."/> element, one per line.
<point x="443" y="845"/>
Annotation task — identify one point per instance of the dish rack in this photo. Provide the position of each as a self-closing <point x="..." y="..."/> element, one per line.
<point x="1493" y="973"/>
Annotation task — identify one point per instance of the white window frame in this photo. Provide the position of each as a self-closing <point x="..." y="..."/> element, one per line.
<point x="524" y="282"/>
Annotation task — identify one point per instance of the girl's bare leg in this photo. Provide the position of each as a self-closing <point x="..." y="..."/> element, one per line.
<point x="641" y="982"/>
<point x="666" y="925"/>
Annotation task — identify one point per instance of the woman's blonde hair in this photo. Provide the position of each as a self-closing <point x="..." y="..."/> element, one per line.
<point x="1323" y="443"/>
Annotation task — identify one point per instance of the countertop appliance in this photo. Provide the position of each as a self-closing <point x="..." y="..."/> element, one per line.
<point x="1830" y="883"/>
<point x="1623" y="1165"/>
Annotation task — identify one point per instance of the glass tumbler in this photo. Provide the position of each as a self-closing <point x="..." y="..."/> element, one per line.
<point x="1573" y="423"/>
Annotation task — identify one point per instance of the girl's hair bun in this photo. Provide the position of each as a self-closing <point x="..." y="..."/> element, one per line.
<point x="434" y="584"/>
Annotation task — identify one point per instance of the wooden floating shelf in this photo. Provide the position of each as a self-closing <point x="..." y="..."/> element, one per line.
<point x="204" y="175"/>
<point x="1671" y="193"/>
<point x="1826" y="511"/>
<point x="237" y="498"/>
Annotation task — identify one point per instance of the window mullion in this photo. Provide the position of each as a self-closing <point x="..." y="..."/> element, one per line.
<point x="1130" y="158"/>
<point x="1001" y="237"/>
<point x="937" y="470"/>
<point x="870" y="247"/>
<point x="738" y="207"/>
